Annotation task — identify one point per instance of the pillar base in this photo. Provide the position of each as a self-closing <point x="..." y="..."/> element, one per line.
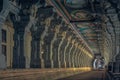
<point x="56" y="65"/>
<point x="35" y="64"/>
<point x="2" y="62"/>
<point x="47" y="64"/>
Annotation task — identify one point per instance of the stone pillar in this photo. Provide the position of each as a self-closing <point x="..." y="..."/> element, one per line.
<point x="46" y="54"/>
<point x="56" y="53"/>
<point x="83" y="58"/>
<point x="20" y="22"/>
<point x="80" y="61"/>
<point x="57" y="44"/>
<point x="18" y="51"/>
<point x="45" y="21"/>
<point x="54" y="46"/>
<point x="42" y="42"/>
<point x="76" y="57"/>
<point x="69" y="56"/>
<point x="55" y="27"/>
<point x="36" y="32"/>
<point x="62" y="56"/>
<point x="73" y="55"/>
<point x="59" y="49"/>
<point x="47" y="45"/>
<point x="71" y="52"/>
<point x="27" y="36"/>
<point x="67" y="52"/>
<point x="27" y="46"/>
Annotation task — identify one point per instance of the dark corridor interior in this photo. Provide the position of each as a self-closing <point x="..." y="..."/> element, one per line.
<point x="59" y="39"/>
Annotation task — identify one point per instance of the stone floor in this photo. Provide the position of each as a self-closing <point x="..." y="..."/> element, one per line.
<point x="92" y="75"/>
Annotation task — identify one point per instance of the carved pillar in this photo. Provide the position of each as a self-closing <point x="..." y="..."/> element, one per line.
<point x="20" y="21"/>
<point x="18" y="50"/>
<point x="78" y="62"/>
<point x="27" y="36"/>
<point x="73" y="55"/>
<point x="79" y="55"/>
<point x="57" y="43"/>
<point x="48" y="40"/>
<point x="80" y="59"/>
<point x="69" y="56"/>
<point x="70" y="53"/>
<point x="36" y="32"/>
<point x="45" y="21"/>
<point x="54" y="46"/>
<point x="55" y="29"/>
<point x="76" y="57"/>
<point x="27" y="46"/>
<point x="59" y="49"/>
<point x="67" y="52"/>
<point x="42" y="42"/>
<point x="47" y="51"/>
<point x="62" y="54"/>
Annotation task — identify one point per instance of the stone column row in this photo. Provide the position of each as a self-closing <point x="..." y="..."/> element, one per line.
<point x="50" y="47"/>
<point x="7" y="7"/>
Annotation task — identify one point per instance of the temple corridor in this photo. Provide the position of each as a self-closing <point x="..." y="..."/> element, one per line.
<point x="59" y="39"/>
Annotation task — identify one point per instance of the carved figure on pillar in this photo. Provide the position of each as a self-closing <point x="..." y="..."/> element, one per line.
<point x="36" y="32"/>
<point x="20" y="21"/>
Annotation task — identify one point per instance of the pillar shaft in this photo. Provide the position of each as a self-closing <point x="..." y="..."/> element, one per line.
<point x="42" y="43"/>
<point x="19" y="28"/>
<point x="53" y="47"/>
<point x="80" y="59"/>
<point x="18" y="50"/>
<point x="69" y="55"/>
<point x="56" y="53"/>
<point x="47" y="55"/>
<point x="59" y="51"/>
<point x="36" y="32"/>
<point x="78" y="62"/>
<point x="73" y="55"/>
<point x="76" y="57"/>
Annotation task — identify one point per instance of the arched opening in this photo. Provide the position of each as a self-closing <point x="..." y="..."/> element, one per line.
<point x="99" y="63"/>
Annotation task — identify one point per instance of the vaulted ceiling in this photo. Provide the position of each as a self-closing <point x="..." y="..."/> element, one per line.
<point x="96" y="21"/>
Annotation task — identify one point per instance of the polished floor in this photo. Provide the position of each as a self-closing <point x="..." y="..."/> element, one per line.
<point x="92" y="75"/>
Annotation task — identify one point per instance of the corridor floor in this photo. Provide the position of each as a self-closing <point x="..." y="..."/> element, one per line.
<point x="92" y="75"/>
